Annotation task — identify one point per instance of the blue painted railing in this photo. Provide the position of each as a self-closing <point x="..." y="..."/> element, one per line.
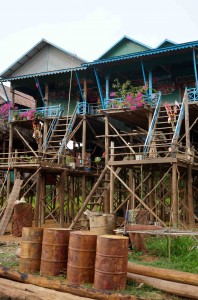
<point x="192" y="94"/>
<point x="52" y="126"/>
<point x="43" y="112"/>
<point x="178" y="125"/>
<point x="88" y="108"/>
<point x="148" y="99"/>
<point x="152" y="126"/>
<point x="68" y="131"/>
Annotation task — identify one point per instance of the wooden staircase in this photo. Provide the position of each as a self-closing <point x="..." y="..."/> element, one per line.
<point x="57" y="135"/>
<point x="163" y="132"/>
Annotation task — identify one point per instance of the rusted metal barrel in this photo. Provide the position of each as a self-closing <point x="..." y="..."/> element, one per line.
<point x="111" y="262"/>
<point x="81" y="257"/>
<point x="54" y="251"/>
<point x="98" y="224"/>
<point x="31" y="246"/>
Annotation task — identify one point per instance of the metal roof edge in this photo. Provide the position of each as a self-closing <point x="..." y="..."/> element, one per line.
<point x="25" y="54"/>
<point x="42" y="74"/>
<point x="144" y="53"/>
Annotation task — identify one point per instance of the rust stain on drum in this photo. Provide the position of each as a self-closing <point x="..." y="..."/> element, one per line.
<point x="81" y="257"/>
<point x="31" y="246"/>
<point x="111" y="262"/>
<point x="54" y="251"/>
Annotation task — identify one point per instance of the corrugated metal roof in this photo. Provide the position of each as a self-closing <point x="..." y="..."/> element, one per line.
<point x="144" y="53"/>
<point x="29" y="54"/>
<point x="43" y="74"/>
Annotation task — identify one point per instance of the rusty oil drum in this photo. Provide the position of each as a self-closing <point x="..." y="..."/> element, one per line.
<point x="31" y="246"/>
<point x="81" y="257"/>
<point x="54" y="251"/>
<point x="111" y="262"/>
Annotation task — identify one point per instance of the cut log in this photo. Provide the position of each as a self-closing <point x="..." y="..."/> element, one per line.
<point x="61" y="286"/>
<point x="166" y="274"/>
<point x="15" y="288"/>
<point x="175" y="288"/>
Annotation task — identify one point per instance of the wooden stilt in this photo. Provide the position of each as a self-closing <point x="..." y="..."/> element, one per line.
<point x="107" y="176"/>
<point x="60" y="189"/>
<point x="190" y="197"/>
<point x="43" y="197"/>
<point x="174" y="196"/>
<point x="112" y="181"/>
<point x="151" y="196"/>
<point x="38" y="195"/>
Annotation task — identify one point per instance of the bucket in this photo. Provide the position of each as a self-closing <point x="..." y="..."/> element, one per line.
<point x="54" y="251"/>
<point x="111" y="223"/>
<point x="98" y="224"/>
<point x="31" y="246"/>
<point x="81" y="257"/>
<point x="111" y="262"/>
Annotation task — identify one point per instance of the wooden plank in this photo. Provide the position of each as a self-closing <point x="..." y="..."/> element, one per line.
<point x="14" y="195"/>
<point x="143" y="161"/>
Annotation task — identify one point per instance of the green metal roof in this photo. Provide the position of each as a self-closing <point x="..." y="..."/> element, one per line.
<point x="146" y="53"/>
<point x="166" y="43"/>
<point x="125" y="45"/>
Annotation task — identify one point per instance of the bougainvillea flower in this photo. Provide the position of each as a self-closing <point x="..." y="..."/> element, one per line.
<point x="112" y="94"/>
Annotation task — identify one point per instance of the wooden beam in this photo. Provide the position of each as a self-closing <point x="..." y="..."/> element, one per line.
<point x="25" y="142"/>
<point x="88" y="198"/>
<point x="138" y="198"/>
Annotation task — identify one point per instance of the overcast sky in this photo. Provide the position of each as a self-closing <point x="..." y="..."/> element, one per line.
<point x="89" y="27"/>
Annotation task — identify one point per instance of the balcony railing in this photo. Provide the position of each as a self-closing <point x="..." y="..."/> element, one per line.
<point x="192" y="94"/>
<point x="44" y="112"/>
<point x="116" y="102"/>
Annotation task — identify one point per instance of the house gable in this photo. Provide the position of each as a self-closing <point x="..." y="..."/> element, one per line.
<point x="43" y="57"/>
<point x="123" y="47"/>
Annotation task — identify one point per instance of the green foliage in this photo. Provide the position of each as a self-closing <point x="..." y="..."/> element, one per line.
<point x="183" y="253"/>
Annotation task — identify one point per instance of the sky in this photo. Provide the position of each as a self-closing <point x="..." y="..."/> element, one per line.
<point x="88" y="28"/>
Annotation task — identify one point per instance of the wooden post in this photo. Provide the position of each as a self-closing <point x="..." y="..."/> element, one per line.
<point x="112" y="181"/>
<point x="85" y="89"/>
<point x="107" y="176"/>
<point x="72" y="198"/>
<point x="187" y="124"/>
<point x="9" y="156"/>
<point x="61" y="192"/>
<point x="150" y="197"/>
<point x="43" y="198"/>
<point x="46" y="97"/>
<point x="84" y="157"/>
<point x="132" y="187"/>
<point x="38" y="195"/>
<point x="174" y="194"/>
<point x="190" y="197"/>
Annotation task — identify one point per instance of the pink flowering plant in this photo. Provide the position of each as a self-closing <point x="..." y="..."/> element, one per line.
<point x="127" y="96"/>
<point x="5" y="109"/>
<point x="28" y="115"/>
